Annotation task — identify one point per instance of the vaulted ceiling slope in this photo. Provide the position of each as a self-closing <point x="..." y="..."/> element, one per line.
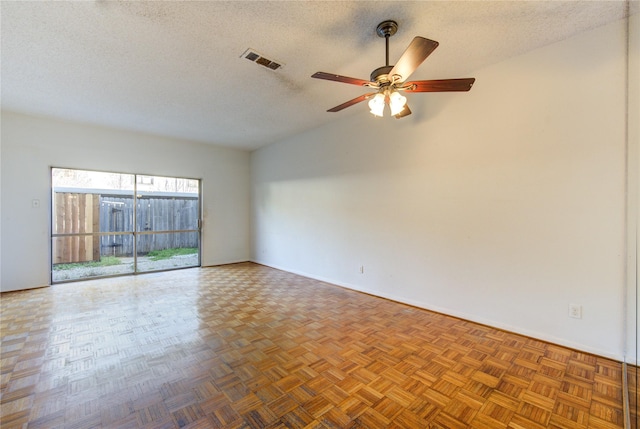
<point x="176" y="68"/>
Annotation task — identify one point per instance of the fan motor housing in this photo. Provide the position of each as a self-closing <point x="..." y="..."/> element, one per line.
<point x="380" y="75"/>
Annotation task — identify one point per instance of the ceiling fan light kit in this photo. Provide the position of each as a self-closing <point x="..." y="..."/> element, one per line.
<point x="389" y="80"/>
<point x="397" y="102"/>
<point x="376" y="105"/>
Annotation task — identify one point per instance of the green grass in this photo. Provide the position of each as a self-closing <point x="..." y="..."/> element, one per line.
<point x="105" y="261"/>
<point x="157" y="255"/>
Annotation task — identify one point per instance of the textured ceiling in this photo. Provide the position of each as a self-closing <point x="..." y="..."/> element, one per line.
<point x="175" y="68"/>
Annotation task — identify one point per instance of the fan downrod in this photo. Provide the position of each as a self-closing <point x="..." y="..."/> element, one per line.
<point x="385" y="29"/>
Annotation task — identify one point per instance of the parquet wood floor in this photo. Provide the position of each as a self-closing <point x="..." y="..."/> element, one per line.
<point x="633" y="384"/>
<point x="246" y="346"/>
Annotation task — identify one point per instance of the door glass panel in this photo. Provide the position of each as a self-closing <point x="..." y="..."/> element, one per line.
<point x="167" y="212"/>
<point x="79" y="266"/>
<point x="77" y="196"/>
<point x="166" y="251"/>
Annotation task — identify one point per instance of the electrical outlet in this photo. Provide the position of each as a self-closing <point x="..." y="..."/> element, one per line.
<point x="361" y="269"/>
<point x="575" y="311"/>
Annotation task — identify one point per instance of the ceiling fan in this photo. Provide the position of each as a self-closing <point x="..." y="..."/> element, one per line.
<point x="388" y="80"/>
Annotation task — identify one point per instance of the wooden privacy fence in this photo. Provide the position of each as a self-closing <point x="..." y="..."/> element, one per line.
<point x="100" y="214"/>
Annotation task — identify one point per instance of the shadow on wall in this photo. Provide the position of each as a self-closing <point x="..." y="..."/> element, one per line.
<point x="384" y="144"/>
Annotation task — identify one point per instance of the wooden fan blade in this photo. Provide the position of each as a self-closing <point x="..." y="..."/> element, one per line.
<point x="417" y="51"/>
<point x="405" y="112"/>
<point x="338" y="78"/>
<point x="351" y="102"/>
<point x="442" y="85"/>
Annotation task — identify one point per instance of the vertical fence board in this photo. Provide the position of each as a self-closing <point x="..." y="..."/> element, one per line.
<point x="95" y="226"/>
<point x="75" y="213"/>
<point x="82" y="222"/>
<point x="59" y="208"/>
<point x="66" y="249"/>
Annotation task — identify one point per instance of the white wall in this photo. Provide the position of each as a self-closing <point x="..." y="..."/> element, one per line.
<point x="633" y="214"/>
<point x="0" y="203"/>
<point x="501" y="205"/>
<point x="31" y="145"/>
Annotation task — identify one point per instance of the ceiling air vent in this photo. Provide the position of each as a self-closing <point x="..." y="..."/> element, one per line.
<point x="257" y="58"/>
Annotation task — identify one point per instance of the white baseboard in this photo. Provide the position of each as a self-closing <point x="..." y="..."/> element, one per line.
<point x="225" y="262"/>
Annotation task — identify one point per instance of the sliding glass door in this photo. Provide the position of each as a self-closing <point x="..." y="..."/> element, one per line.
<point x="106" y="224"/>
